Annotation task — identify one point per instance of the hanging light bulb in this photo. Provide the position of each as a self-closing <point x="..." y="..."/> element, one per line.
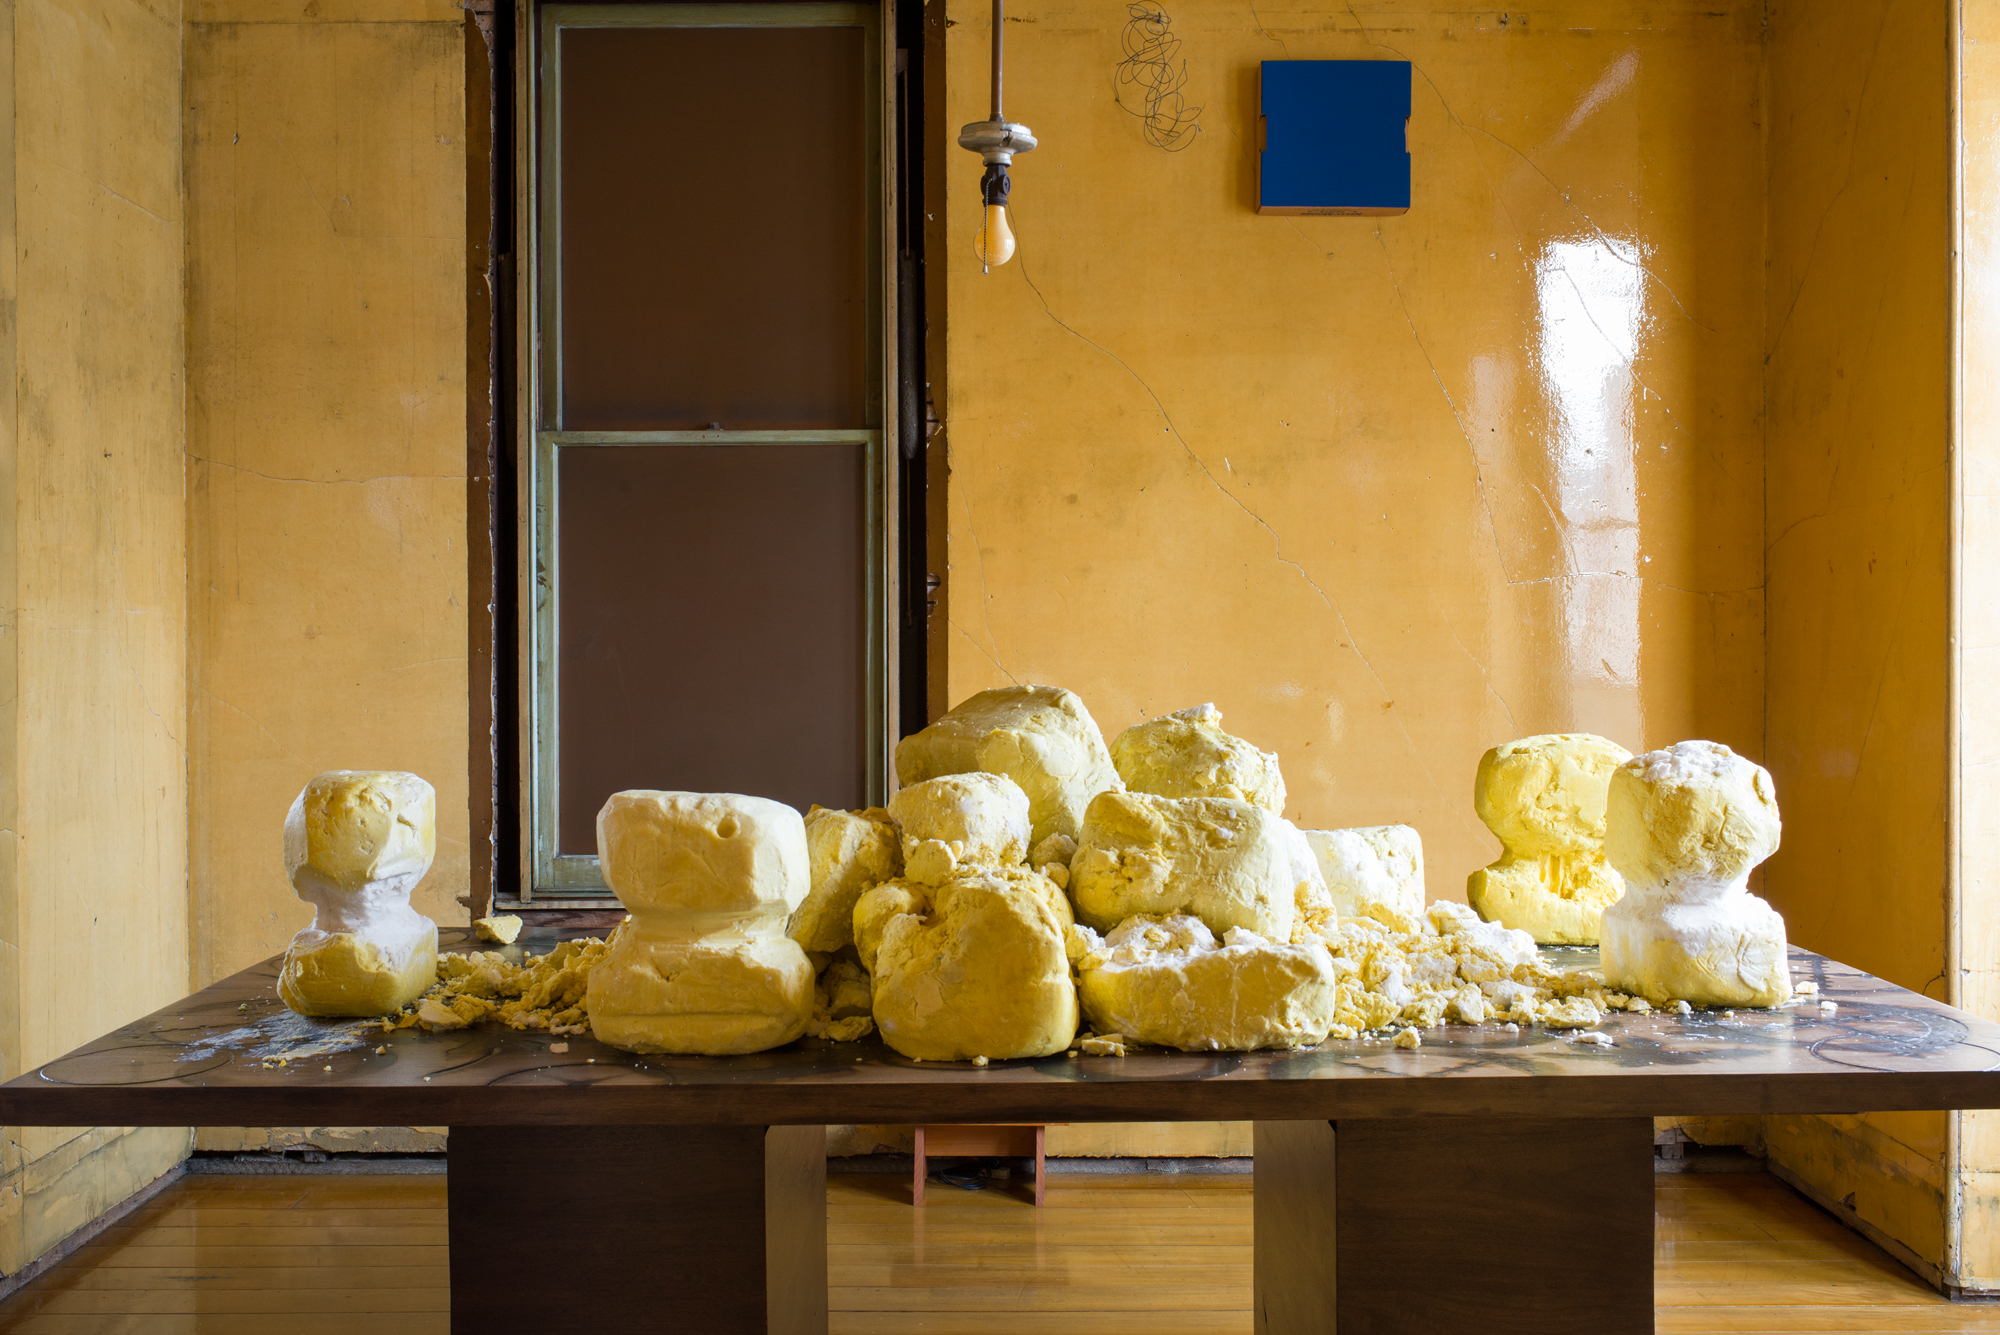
<point x="996" y="140"/>
<point x="995" y="243"/>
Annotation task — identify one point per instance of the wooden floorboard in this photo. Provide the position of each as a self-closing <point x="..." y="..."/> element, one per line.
<point x="1734" y="1255"/>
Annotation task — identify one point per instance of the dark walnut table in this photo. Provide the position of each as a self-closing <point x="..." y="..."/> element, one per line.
<point x="1488" y="1181"/>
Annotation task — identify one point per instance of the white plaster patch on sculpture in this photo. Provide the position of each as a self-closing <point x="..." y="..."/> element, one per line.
<point x="357" y="842"/>
<point x="704" y="965"/>
<point x="1370" y="865"/>
<point x="1685" y="828"/>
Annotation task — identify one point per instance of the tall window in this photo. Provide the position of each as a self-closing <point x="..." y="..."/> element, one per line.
<point x="708" y="502"/>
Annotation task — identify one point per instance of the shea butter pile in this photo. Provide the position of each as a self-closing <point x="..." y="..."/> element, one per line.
<point x="543" y="992"/>
<point x="1031" y="891"/>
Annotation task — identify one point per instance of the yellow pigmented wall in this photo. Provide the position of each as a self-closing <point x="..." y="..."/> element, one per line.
<point x="1858" y="534"/>
<point x="1388" y="490"/>
<point x="326" y="435"/>
<point x="1978" y="853"/>
<point x="93" y="851"/>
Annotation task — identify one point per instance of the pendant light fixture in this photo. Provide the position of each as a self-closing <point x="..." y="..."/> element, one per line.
<point x="996" y="140"/>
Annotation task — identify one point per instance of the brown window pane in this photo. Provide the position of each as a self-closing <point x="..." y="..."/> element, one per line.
<point x="714" y="215"/>
<point x="710" y="623"/>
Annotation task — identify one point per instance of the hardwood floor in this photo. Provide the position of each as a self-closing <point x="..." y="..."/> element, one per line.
<point x="332" y="1255"/>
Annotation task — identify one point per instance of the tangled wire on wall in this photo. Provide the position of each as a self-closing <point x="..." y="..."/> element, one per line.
<point x="1149" y="69"/>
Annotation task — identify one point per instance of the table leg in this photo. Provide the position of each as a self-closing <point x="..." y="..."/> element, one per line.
<point x="638" y="1228"/>
<point x="1503" y="1226"/>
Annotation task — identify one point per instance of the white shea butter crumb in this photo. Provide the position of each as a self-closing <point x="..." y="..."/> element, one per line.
<point x="1806" y="988"/>
<point x="979" y="1061"/>
<point x="1409" y="1038"/>
<point x="1829" y="1006"/>
<point x="558" y="1047"/>
<point x="1595" y="1040"/>
<point x="1510" y="1025"/>
<point x="1682" y="1008"/>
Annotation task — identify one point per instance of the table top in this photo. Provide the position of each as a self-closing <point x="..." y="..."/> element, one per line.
<point x="211" y="1061"/>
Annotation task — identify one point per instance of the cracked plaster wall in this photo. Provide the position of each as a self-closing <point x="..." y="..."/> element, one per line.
<point x="1858" y="535"/>
<point x="93" y="815"/>
<point x="1388" y="490"/>
<point x="326" y="443"/>
<point x="1978" y="612"/>
<point x="326" y="435"/>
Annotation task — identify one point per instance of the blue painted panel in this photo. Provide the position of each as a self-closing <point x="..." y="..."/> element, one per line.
<point x="1334" y="137"/>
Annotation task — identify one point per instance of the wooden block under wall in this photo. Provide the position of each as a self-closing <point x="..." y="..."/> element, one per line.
<point x="979" y="1139"/>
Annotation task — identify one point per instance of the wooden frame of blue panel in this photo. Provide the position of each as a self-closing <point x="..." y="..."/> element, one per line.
<point x="1335" y="137"/>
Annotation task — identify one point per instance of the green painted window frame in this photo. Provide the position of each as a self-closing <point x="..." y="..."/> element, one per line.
<point x="549" y="878"/>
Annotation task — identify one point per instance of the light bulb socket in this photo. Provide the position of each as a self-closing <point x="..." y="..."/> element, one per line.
<point x="996" y="141"/>
<point x="994" y="185"/>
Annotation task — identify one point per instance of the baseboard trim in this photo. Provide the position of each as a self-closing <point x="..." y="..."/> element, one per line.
<point x="89" y="1233"/>
<point x="230" y="1163"/>
<point x="1908" y="1259"/>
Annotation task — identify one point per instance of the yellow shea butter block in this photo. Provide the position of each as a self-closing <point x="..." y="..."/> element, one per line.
<point x="1685" y="828"/>
<point x="704" y="966"/>
<point x="1187" y="754"/>
<point x="1168" y="981"/>
<point x="1227" y="862"/>
<point x="1041" y="737"/>
<point x="850" y="852"/>
<point x="1543" y="797"/>
<point x="357" y="842"/>
<point x="975" y="966"/>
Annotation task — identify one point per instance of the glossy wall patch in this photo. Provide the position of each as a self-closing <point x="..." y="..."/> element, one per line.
<point x="1388" y="490"/>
